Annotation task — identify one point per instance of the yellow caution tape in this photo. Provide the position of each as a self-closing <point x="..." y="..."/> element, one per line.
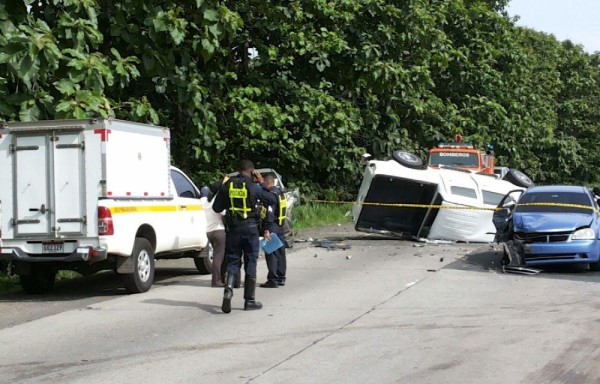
<point x="401" y="205"/>
<point x="464" y="207"/>
<point x="564" y="205"/>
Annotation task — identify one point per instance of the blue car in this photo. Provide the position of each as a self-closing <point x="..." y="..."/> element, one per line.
<point x="550" y="225"/>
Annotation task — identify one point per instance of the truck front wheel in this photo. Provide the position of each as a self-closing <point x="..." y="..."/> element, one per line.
<point x="39" y="280"/>
<point x="143" y="267"/>
<point x="204" y="263"/>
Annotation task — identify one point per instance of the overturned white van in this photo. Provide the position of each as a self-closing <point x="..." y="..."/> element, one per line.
<point x="401" y="200"/>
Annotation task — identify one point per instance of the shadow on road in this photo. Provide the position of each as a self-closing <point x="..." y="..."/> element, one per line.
<point x="102" y="284"/>
<point x="486" y="261"/>
<point x="213" y="309"/>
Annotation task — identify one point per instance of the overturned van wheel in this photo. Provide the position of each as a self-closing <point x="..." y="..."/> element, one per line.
<point x="408" y="159"/>
<point x="39" y="280"/>
<point x="204" y="262"/>
<point x="143" y="267"/>
<point x="518" y="178"/>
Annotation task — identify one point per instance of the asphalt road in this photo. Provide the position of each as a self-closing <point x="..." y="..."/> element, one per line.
<point x="384" y="311"/>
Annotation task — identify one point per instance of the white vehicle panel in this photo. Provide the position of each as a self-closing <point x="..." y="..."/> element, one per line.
<point x="31" y="185"/>
<point x="137" y="165"/>
<point x="68" y="189"/>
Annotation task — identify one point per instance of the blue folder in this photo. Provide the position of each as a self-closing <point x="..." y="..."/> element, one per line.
<point x="271" y="246"/>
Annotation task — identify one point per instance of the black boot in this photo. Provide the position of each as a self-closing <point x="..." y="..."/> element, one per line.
<point x="228" y="294"/>
<point x="249" y="287"/>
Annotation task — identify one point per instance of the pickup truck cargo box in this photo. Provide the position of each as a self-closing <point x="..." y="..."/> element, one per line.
<point x="85" y="192"/>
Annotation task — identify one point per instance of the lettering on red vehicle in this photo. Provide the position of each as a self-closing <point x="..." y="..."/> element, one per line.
<point x="454" y="154"/>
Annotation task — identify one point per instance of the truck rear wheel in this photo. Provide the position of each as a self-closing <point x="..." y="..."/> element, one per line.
<point x="204" y="263"/>
<point x="39" y="280"/>
<point x="143" y="267"/>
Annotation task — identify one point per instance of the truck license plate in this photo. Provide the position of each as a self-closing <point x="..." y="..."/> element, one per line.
<point x="53" y="247"/>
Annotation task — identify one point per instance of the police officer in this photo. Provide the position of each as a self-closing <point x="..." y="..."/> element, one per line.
<point x="273" y="222"/>
<point x="239" y="196"/>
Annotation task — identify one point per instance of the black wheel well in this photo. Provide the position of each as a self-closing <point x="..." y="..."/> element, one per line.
<point x="147" y="232"/>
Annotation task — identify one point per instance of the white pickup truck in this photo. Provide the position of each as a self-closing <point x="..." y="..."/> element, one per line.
<point x="91" y="195"/>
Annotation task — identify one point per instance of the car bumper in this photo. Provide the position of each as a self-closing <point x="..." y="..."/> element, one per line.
<point x="87" y="254"/>
<point x="579" y="251"/>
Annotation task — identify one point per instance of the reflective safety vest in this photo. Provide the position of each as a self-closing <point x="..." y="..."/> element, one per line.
<point x="282" y="208"/>
<point x="281" y="211"/>
<point x="241" y="201"/>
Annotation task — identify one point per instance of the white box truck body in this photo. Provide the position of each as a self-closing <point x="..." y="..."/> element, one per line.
<point x="90" y="195"/>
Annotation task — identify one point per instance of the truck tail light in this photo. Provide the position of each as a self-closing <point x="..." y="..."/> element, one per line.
<point x="105" y="222"/>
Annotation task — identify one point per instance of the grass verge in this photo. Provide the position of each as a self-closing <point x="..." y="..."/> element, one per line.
<point x="318" y="215"/>
<point x="10" y="283"/>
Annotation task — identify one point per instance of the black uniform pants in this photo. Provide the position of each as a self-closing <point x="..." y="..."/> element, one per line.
<point x="242" y="242"/>
<point x="277" y="263"/>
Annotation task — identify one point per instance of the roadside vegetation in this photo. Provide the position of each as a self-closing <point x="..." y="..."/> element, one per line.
<point x="312" y="215"/>
<point x="307" y="86"/>
<point x="10" y="282"/>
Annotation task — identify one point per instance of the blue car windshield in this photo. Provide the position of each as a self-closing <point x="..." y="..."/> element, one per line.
<point x="559" y="202"/>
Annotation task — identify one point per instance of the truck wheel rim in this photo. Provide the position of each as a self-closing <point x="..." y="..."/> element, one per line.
<point x="408" y="157"/>
<point x="143" y="265"/>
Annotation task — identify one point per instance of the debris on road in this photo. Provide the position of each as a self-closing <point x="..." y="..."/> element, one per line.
<point x="330" y="244"/>
<point x="348" y="257"/>
<point x="520" y="270"/>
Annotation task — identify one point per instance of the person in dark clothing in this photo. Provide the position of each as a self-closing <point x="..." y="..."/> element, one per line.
<point x="238" y="196"/>
<point x="273" y="222"/>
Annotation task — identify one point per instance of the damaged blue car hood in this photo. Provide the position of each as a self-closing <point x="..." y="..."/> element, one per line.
<point x="550" y="222"/>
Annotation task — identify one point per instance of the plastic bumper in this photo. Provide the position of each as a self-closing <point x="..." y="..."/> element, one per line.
<point x="580" y="251"/>
<point x="87" y="254"/>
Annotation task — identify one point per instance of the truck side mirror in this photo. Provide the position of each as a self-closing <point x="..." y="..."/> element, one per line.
<point x="204" y="191"/>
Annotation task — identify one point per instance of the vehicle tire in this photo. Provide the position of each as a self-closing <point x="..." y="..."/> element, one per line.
<point x="204" y="261"/>
<point x="518" y="178"/>
<point x="143" y="267"/>
<point x="40" y="280"/>
<point x="595" y="266"/>
<point x="408" y="159"/>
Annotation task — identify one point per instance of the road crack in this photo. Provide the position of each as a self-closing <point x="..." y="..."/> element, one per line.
<point x="336" y="330"/>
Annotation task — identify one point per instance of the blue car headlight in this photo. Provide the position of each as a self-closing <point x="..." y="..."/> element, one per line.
<point x="584" y="234"/>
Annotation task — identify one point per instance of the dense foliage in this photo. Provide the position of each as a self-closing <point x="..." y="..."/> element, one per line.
<point x="306" y="86"/>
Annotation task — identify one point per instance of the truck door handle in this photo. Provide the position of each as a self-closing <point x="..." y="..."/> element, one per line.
<point x="41" y="209"/>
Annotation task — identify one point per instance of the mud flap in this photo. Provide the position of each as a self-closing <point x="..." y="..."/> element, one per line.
<point x="125" y="265"/>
